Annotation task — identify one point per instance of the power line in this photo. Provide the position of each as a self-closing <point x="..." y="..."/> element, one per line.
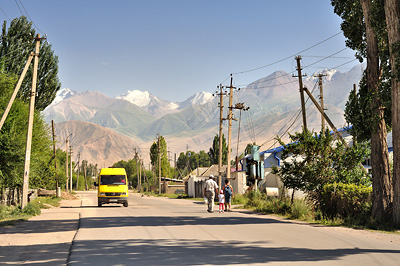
<point x="27" y="14"/>
<point x="19" y="8"/>
<point x="5" y="14"/>
<point x="30" y="17"/>
<point x="291" y="56"/>
<point x="286" y="74"/>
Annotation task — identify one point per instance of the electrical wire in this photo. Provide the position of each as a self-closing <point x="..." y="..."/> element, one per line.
<point x="297" y="116"/>
<point x="5" y="14"/>
<point x="19" y="8"/>
<point x="291" y="56"/>
<point x="28" y="15"/>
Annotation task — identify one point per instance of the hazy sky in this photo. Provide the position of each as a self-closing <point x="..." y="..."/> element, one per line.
<point x="175" y="48"/>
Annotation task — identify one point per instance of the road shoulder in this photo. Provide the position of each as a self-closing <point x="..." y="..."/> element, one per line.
<point x="43" y="239"/>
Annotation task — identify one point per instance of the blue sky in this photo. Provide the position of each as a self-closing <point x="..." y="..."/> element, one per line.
<point x="175" y="48"/>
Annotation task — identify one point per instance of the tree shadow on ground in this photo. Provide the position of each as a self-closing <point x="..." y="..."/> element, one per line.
<point x="199" y="252"/>
<point x="52" y="254"/>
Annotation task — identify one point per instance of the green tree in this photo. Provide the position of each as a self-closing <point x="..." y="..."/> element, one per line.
<point x="204" y="159"/>
<point x="155" y="152"/>
<point x="15" y="46"/>
<point x="13" y="142"/>
<point x="310" y="161"/>
<point x="392" y="15"/>
<point x="214" y="150"/>
<point x="364" y="27"/>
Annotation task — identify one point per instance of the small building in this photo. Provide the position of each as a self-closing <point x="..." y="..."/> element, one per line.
<point x="197" y="178"/>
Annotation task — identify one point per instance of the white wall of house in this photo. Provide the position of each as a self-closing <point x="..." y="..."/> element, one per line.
<point x="238" y="182"/>
<point x="192" y="179"/>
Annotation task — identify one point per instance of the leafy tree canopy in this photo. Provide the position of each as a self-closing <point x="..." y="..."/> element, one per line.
<point x="16" y="44"/>
<point x="312" y="160"/>
<point x="214" y="150"/>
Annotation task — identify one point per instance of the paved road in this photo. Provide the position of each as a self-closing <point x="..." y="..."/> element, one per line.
<point x="161" y="231"/>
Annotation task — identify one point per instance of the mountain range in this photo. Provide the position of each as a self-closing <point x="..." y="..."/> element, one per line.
<point x="115" y="126"/>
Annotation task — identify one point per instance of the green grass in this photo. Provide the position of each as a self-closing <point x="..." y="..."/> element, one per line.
<point x="10" y="215"/>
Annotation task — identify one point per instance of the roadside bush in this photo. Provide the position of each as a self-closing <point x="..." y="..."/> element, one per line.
<point x="32" y="208"/>
<point x="346" y="201"/>
<point x="239" y="199"/>
<point x="300" y="209"/>
<point x="255" y="200"/>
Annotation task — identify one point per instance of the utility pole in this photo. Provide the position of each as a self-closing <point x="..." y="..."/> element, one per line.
<point x="66" y="164"/>
<point x="137" y="170"/>
<point x="84" y="174"/>
<point x="174" y="160"/>
<point x="321" y="99"/>
<point x="159" y="165"/>
<point x="221" y="119"/>
<point x="303" y="106"/>
<point x="70" y="161"/>
<point x="77" y="177"/>
<point x="140" y="172"/>
<point x="55" y="158"/>
<point x="228" y="171"/>
<point x="25" y="186"/>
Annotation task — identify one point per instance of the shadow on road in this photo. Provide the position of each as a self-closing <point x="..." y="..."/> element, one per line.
<point x="195" y="252"/>
<point x="37" y="226"/>
<point x="129" y="221"/>
<point x="52" y="254"/>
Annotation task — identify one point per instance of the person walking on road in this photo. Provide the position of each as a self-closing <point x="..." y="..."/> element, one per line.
<point x="221" y="199"/>
<point x="210" y="190"/>
<point x="228" y="192"/>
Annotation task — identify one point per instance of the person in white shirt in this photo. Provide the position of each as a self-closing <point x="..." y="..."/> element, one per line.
<point x="210" y="190"/>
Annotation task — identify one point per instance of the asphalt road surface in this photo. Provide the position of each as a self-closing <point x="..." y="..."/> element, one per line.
<point x="161" y="231"/>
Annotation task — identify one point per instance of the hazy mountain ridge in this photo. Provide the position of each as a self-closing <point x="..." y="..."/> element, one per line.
<point x="273" y="101"/>
<point x="96" y="143"/>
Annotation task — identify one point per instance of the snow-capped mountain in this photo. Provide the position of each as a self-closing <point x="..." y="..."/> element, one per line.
<point x="328" y="74"/>
<point x="159" y="107"/>
<point x="150" y="103"/>
<point x="63" y="94"/>
<point x="199" y="98"/>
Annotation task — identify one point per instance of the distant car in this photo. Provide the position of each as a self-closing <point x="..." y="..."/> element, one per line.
<point x="112" y="186"/>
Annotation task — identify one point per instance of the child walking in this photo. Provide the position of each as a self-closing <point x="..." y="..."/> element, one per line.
<point x="221" y="198"/>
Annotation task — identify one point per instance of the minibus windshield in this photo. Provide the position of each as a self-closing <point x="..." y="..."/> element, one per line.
<point x="112" y="180"/>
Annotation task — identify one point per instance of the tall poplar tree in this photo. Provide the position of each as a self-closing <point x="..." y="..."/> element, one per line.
<point x="362" y="26"/>
<point x="214" y="150"/>
<point x="392" y="15"/>
<point x="16" y="44"/>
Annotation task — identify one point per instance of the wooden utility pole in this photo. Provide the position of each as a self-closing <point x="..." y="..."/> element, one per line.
<point x="77" y="176"/>
<point x="70" y="162"/>
<point x="137" y="170"/>
<point x="303" y="106"/>
<point x="25" y="186"/>
<point x="159" y="165"/>
<point x="221" y="119"/>
<point x="66" y="165"/>
<point x="321" y="99"/>
<point x="228" y="171"/>
<point x="84" y="174"/>
<point x="140" y="172"/>
<point x="55" y="157"/>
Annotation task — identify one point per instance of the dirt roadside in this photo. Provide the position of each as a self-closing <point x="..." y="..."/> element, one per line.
<point x="42" y="240"/>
